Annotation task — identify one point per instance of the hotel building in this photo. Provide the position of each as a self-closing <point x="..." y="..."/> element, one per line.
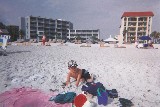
<point x="135" y="25"/>
<point x="84" y="34"/>
<point x="37" y="27"/>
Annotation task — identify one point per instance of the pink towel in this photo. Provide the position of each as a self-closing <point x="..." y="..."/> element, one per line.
<point x="28" y="97"/>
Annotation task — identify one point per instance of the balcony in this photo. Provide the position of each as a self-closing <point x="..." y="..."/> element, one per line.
<point x="33" y="20"/>
<point x="131" y="25"/>
<point x="33" y="25"/>
<point x="40" y="25"/>
<point x="33" y="29"/>
<point x="141" y="30"/>
<point x="52" y="22"/>
<point x="132" y="31"/>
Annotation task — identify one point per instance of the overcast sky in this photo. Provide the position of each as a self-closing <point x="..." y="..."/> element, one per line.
<point x="84" y="14"/>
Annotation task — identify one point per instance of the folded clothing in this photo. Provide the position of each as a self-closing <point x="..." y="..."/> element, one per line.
<point x="64" y="98"/>
<point x="112" y="93"/>
<point x="92" y="87"/>
<point x="125" y="102"/>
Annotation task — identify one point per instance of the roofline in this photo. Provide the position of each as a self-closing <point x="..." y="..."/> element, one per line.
<point x="136" y="14"/>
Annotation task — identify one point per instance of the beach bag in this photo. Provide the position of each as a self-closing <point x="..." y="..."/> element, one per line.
<point x="64" y="98"/>
<point x="113" y="93"/>
<point x="102" y="96"/>
<point x="91" y="87"/>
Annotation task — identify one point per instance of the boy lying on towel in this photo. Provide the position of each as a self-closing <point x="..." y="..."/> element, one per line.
<point x="77" y="73"/>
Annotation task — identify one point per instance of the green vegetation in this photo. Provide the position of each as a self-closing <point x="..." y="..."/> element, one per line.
<point x="156" y="36"/>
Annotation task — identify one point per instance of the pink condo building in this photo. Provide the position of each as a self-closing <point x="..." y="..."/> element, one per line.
<point x="134" y="25"/>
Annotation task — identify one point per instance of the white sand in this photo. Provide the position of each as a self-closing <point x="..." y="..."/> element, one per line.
<point x="135" y="73"/>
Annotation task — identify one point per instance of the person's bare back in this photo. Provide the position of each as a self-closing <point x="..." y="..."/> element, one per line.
<point x="74" y="73"/>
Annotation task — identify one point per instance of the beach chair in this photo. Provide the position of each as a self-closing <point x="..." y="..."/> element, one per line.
<point x="87" y="45"/>
<point x="102" y="44"/>
<point x="79" y="42"/>
<point x="54" y="41"/>
<point x="59" y="40"/>
<point x="76" y="41"/>
<point x="3" y="43"/>
<point x="117" y="46"/>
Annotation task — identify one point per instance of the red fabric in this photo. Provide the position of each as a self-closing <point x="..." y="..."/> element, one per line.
<point x="27" y="97"/>
<point x="80" y="100"/>
<point x="129" y="14"/>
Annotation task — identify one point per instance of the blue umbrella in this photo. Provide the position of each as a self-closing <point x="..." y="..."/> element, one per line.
<point x="145" y="38"/>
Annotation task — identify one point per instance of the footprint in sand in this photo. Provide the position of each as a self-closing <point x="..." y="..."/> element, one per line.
<point x="16" y="80"/>
<point x="33" y="78"/>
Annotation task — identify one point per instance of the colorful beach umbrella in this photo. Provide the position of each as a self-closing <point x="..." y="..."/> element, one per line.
<point x="145" y="38"/>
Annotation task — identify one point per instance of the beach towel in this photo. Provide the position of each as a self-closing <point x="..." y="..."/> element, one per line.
<point x="27" y="97"/>
<point x="92" y="87"/>
<point x="64" y="98"/>
<point x="102" y="96"/>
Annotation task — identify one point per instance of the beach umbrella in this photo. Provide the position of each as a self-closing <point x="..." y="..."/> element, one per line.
<point x="110" y="39"/>
<point x="145" y="38"/>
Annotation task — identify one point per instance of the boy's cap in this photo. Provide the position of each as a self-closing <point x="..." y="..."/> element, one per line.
<point x="72" y="63"/>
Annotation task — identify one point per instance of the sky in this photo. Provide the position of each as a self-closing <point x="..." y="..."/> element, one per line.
<point x="84" y="14"/>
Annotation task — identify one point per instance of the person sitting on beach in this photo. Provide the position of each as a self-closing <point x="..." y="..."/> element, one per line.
<point x="151" y="45"/>
<point x="77" y="73"/>
<point x="136" y="44"/>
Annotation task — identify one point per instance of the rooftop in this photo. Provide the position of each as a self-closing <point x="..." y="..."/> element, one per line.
<point x="134" y="14"/>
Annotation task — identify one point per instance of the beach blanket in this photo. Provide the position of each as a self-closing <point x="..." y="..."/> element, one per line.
<point x="27" y="97"/>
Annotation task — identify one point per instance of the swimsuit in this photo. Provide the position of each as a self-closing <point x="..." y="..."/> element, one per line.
<point x="85" y="74"/>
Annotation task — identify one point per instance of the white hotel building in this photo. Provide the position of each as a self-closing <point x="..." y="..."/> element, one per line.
<point x="84" y="34"/>
<point x="36" y="27"/>
<point x="135" y="25"/>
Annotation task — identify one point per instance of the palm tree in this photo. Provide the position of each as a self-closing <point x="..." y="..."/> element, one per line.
<point x="21" y="34"/>
<point x="56" y="35"/>
<point x="155" y="35"/>
<point x="94" y="39"/>
<point x="78" y="37"/>
<point x="13" y="32"/>
<point x="2" y="26"/>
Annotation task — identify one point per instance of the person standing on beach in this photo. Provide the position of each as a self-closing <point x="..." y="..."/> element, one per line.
<point x="43" y="40"/>
<point x="77" y="73"/>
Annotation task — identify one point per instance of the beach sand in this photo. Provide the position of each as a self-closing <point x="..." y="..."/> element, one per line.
<point x="135" y="73"/>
